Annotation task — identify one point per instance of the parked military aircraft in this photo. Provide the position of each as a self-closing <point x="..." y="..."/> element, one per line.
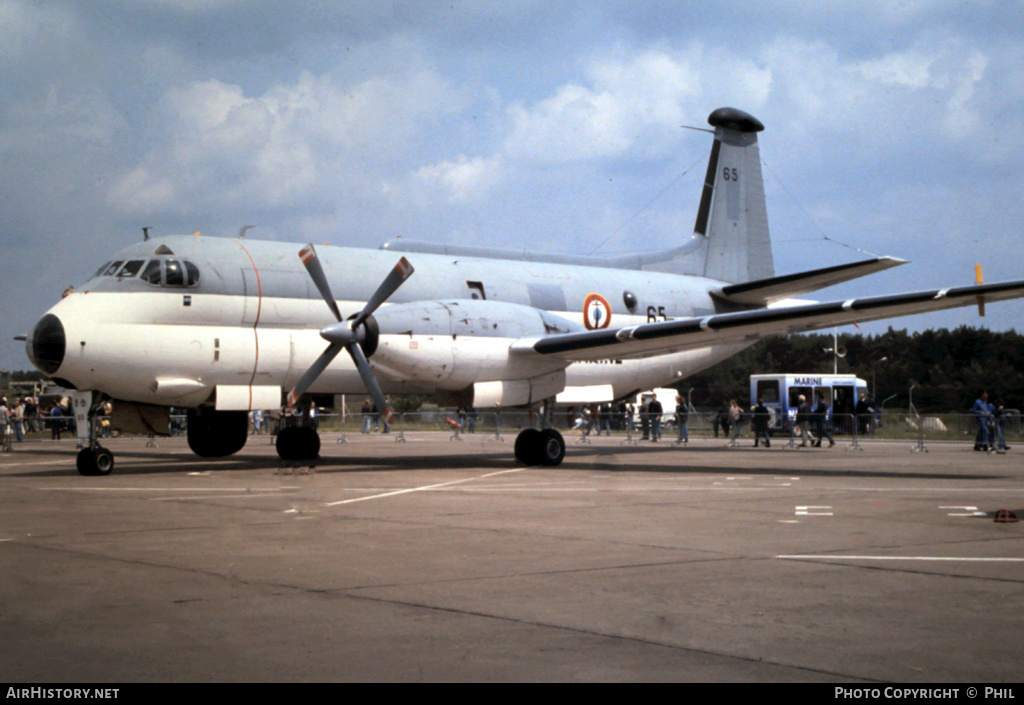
<point x="223" y="326"/>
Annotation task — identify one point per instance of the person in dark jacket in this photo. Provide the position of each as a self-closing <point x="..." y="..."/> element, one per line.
<point x="761" y="418"/>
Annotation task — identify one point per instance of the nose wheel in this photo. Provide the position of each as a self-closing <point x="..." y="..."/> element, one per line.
<point x="95" y="461"/>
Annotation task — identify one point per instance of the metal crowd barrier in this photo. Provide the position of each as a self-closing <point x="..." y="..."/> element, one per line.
<point x="850" y="431"/>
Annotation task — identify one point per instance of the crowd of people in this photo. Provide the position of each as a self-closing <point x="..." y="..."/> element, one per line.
<point x="24" y="415"/>
<point x="812" y="425"/>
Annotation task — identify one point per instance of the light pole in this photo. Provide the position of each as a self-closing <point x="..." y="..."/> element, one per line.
<point x="874" y="387"/>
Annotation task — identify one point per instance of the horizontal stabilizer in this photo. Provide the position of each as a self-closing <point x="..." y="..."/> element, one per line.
<point x="765" y="291"/>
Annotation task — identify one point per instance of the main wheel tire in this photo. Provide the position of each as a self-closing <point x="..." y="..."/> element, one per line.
<point x="216" y="434"/>
<point x="86" y="462"/>
<point x="551" y="449"/>
<point x="528" y="446"/>
<point x="298" y="443"/>
<point x="104" y="461"/>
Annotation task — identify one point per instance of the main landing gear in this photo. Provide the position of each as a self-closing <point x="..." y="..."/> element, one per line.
<point x="299" y="442"/>
<point x="536" y="447"/>
<point x="541" y="446"/>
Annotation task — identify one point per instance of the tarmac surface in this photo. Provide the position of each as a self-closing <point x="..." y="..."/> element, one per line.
<point x="435" y="560"/>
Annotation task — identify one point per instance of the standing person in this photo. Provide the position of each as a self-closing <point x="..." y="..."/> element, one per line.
<point x="803" y="420"/>
<point x="655" y="411"/>
<point x="983" y="416"/>
<point x="604" y="415"/>
<point x="682" y="416"/>
<point x="998" y="417"/>
<point x="366" y="413"/>
<point x="31" y="413"/>
<point x="760" y="423"/>
<point x="18" y="420"/>
<point x="735" y="417"/>
<point x="864" y="415"/>
<point x="56" y="421"/>
<point x="645" y="419"/>
<point x="724" y="419"/>
<point x="5" y="419"/>
<point x="822" y="421"/>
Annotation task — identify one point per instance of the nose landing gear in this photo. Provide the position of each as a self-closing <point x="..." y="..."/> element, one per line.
<point x="93" y="459"/>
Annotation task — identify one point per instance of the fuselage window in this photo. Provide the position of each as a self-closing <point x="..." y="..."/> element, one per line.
<point x="151" y="274"/>
<point x="131" y="268"/>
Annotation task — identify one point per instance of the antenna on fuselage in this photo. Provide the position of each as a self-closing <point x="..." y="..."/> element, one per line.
<point x="145" y="232"/>
<point x="241" y="230"/>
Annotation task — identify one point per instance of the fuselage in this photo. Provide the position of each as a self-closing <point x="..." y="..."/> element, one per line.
<point x="168" y="320"/>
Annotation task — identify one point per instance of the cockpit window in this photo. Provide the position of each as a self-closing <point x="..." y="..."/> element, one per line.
<point x="151" y="274"/>
<point x="131" y="268"/>
<point x="170" y="272"/>
<point x="173" y="274"/>
<point x="112" y="267"/>
<point x="191" y="274"/>
<point x="101" y="270"/>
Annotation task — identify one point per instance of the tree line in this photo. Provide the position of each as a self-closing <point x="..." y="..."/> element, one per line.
<point x="949" y="368"/>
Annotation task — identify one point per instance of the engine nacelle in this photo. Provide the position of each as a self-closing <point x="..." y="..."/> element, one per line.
<point x="464" y="346"/>
<point x="471" y="317"/>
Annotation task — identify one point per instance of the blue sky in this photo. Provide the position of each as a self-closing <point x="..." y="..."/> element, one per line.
<point x="891" y="128"/>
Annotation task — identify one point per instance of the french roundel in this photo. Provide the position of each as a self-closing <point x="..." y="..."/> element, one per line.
<point x="597" y="313"/>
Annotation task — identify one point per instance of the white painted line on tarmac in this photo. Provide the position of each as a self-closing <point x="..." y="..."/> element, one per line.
<point x="967" y="512"/>
<point x="167" y="489"/>
<point x="807" y="512"/>
<point x="959" y="559"/>
<point x="420" y="489"/>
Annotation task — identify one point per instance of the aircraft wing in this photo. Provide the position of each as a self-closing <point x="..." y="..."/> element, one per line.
<point x="663" y="337"/>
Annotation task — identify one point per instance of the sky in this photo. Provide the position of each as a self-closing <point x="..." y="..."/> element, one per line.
<point x="892" y="127"/>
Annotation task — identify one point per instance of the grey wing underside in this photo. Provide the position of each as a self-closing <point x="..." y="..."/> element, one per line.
<point x="664" y="337"/>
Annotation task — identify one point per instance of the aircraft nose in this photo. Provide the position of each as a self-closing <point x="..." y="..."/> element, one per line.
<point x="47" y="344"/>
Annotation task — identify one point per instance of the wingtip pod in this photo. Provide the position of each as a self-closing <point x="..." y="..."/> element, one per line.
<point x="734" y="119"/>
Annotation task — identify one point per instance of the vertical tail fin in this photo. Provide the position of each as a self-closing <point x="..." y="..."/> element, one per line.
<point x="732" y="220"/>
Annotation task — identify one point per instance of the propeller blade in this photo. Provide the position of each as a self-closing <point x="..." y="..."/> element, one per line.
<point x="402" y="271"/>
<point x="348" y="335"/>
<point x="312" y="263"/>
<point x="371" y="383"/>
<point x="315" y="370"/>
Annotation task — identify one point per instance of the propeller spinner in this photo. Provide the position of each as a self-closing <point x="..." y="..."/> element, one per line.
<point x="349" y="335"/>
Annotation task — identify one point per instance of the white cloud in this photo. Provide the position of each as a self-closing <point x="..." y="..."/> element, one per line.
<point x="295" y="144"/>
<point x="632" y="104"/>
<point x="141" y="193"/>
<point x="461" y="180"/>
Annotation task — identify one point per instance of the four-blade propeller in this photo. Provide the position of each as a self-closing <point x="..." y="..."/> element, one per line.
<point x="349" y="335"/>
